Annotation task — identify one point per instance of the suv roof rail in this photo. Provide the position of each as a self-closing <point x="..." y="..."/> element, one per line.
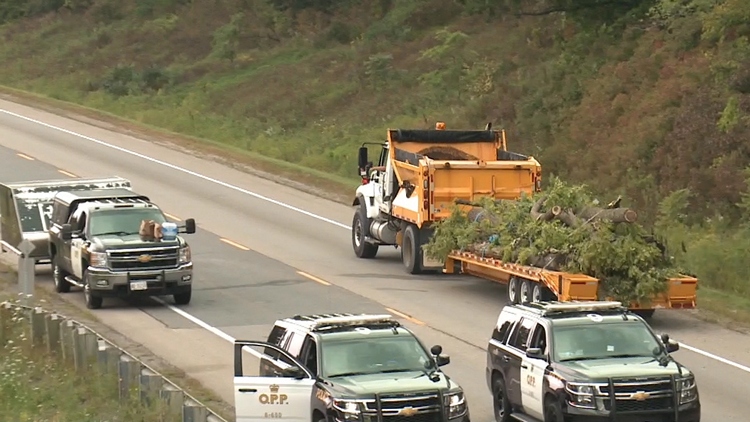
<point x="340" y="320"/>
<point x="547" y="308"/>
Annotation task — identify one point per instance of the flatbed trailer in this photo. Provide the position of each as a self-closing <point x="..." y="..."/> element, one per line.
<point x="530" y="284"/>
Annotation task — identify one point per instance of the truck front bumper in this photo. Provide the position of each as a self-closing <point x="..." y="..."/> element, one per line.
<point x="107" y="283"/>
<point x="690" y="412"/>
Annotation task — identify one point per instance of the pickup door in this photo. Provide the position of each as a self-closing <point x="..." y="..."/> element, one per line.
<point x="286" y="399"/>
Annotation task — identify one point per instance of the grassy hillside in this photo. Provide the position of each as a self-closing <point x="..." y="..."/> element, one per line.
<point x="644" y="98"/>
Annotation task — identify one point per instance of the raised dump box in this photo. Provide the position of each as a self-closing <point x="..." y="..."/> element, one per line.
<point x="26" y="209"/>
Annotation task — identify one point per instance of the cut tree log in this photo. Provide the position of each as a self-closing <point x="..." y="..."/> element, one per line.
<point x="615" y="215"/>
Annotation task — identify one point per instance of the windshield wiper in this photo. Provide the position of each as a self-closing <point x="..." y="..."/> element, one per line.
<point x="349" y="374"/>
<point x="622" y="355"/>
<point x="119" y="233"/>
<point x="389" y="371"/>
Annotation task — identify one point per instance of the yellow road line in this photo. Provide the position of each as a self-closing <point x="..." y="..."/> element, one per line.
<point x="25" y="156"/>
<point x="67" y="173"/>
<point x="404" y="316"/>
<point x="173" y="217"/>
<point x="313" y="278"/>
<point x="235" y="244"/>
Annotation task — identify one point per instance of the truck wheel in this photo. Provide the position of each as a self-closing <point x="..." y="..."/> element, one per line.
<point x="361" y="229"/>
<point x="411" y="250"/>
<point x="183" y="298"/>
<point x="58" y="276"/>
<point x="540" y="293"/>
<point x="92" y="300"/>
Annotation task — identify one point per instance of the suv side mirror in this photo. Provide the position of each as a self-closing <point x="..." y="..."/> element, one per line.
<point x="293" y="372"/>
<point x="534" y="353"/>
<point x="190" y="226"/>
<point x="66" y="232"/>
<point x="362" y="158"/>
<point x="671" y="345"/>
<point x="442" y="360"/>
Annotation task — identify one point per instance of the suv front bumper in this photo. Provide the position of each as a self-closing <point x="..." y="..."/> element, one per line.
<point x="690" y="412"/>
<point x="106" y="283"/>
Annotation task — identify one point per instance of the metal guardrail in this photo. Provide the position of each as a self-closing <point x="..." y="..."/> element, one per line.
<point x="73" y="342"/>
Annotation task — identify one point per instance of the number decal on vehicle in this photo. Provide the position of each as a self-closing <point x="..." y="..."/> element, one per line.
<point x="273" y="415"/>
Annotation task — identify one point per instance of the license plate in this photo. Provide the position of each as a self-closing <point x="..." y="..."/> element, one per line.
<point x="139" y="285"/>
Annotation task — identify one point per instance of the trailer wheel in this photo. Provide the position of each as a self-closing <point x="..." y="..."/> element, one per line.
<point x="644" y="313"/>
<point x="411" y="250"/>
<point x="541" y="293"/>
<point x="360" y="230"/>
<point x="527" y="286"/>
<point x="514" y="288"/>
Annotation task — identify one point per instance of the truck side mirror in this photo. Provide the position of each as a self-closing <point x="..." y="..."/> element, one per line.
<point x="293" y="372"/>
<point x="362" y="159"/>
<point x="66" y="232"/>
<point x="190" y="226"/>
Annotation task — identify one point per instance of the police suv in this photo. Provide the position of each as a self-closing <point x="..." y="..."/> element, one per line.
<point x="585" y="361"/>
<point x="345" y="367"/>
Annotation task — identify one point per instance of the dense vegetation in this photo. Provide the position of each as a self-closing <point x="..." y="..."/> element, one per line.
<point x="644" y="98"/>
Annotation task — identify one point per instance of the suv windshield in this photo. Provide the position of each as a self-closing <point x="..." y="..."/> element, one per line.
<point x="603" y="341"/>
<point x="372" y="355"/>
<point x="122" y="221"/>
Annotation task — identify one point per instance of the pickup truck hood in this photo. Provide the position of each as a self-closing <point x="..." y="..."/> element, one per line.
<point x="131" y="242"/>
<point x="362" y="386"/>
<point x="601" y="369"/>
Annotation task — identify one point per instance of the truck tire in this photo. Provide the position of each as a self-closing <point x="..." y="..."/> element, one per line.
<point x="183" y="298"/>
<point x="553" y="411"/>
<point x="360" y="230"/>
<point x="411" y="250"/>
<point x="92" y="300"/>
<point x="58" y="277"/>
<point x="540" y="293"/>
<point x="527" y="286"/>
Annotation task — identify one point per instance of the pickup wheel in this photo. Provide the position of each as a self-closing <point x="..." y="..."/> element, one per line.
<point x="500" y="401"/>
<point x="411" y="250"/>
<point x="360" y="230"/>
<point x="58" y="277"/>
<point x="92" y="300"/>
<point x="183" y="298"/>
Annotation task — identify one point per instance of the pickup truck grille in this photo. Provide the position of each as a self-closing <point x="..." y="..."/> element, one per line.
<point x="651" y="394"/>
<point x="427" y="406"/>
<point x="143" y="259"/>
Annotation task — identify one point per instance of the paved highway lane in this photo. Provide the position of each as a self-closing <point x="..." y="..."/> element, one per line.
<point x="236" y="205"/>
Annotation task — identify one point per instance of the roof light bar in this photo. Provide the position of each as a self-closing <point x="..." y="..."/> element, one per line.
<point x="352" y="320"/>
<point x="583" y="306"/>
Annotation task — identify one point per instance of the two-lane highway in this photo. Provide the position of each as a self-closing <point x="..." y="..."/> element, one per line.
<point x="286" y="252"/>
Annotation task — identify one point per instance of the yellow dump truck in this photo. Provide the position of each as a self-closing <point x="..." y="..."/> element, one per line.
<point x="419" y="178"/>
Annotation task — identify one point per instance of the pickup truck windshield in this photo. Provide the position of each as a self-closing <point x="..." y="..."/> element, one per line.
<point x="604" y="341"/>
<point x="122" y="221"/>
<point x="364" y="356"/>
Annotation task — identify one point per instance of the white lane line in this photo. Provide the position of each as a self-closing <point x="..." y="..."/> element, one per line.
<point x="275" y="202"/>
<point x="715" y="357"/>
<point x="190" y="172"/>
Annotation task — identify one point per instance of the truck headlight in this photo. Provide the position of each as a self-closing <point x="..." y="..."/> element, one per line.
<point x="455" y="404"/>
<point x="185" y="254"/>
<point x="687" y="389"/>
<point x="350" y="410"/>
<point x="581" y="395"/>
<point x="98" y="259"/>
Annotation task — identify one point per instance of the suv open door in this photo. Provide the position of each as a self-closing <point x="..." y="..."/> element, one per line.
<point x="284" y="398"/>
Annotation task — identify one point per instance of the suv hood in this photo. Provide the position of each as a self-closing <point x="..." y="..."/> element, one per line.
<point x="131" y="241"/>
<point x="362" y="386"/>
<point x="598" y="369"/>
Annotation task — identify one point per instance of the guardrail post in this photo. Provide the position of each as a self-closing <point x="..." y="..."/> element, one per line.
<point x="6" y="315"/>
<point x="79" y="348"/>
<point x="194" y="412"/>
<point x="26" y="271"/>
<point x="174" y="397"/>
<point x="150" y="384"/>
<point x="128" y="372"/>
<point x="66" y="339"/>
<point x="52" y="322"/>
<point x="38" y="327"/>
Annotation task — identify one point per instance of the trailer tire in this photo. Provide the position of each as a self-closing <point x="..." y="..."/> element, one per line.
<point x="527" y="287"/>
<point x="360" y="230"/>
<point x="541" y="293"/>
<point x="644" y="313"/>
<point x="514" y="289"/>
<point x="411" y="250"/>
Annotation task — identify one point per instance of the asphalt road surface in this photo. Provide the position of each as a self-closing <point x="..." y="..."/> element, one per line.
<point x="264" y="251"/>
